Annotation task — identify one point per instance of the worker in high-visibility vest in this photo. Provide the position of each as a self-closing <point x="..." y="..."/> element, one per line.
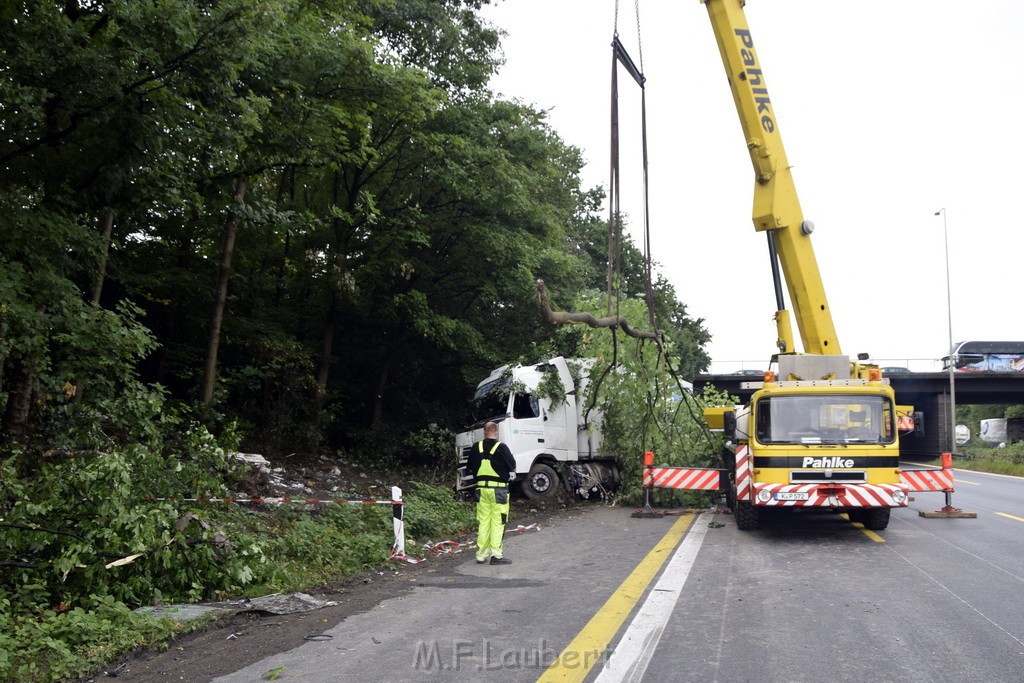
<point x="493" y="467"/>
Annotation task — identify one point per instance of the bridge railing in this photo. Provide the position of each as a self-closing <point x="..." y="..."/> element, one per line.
<point x="729" y="367"/>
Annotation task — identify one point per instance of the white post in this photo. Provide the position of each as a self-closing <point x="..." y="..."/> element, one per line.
<point x="396" y="513"/>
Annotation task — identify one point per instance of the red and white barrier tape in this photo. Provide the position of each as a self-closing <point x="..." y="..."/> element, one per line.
<point x="276" y="501"/>
<point x="447" y="547"/>
<point x="453" y="547"/>
<point x="396" y="503"/>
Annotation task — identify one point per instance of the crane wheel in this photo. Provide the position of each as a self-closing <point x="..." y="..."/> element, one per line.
<point x="875" y="519"/>
<point x="748" y="517"/>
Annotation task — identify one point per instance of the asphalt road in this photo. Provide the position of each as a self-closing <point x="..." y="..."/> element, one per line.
<point x="481" y="621"/>
<point x="808" y="597"/>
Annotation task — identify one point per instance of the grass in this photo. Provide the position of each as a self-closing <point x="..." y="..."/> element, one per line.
<point x="300" y="548"/>
<point x="1008" y="460"/>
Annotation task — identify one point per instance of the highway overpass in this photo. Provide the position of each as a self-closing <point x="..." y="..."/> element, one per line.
<point x="928" y="392"/>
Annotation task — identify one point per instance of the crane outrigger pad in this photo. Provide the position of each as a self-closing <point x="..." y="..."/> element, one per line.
<point x="948" y="513"/>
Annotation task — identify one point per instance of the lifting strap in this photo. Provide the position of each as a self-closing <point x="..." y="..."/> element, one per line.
<point x="621" y="56"/>
<point x="614" y="319"/>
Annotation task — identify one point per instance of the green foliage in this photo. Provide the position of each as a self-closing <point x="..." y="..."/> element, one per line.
<point x="57" y="644"/>
<point x="48" y="631"/>
<point x="311" y="549"/>
<point x="430" y="449"/>
<point x="276" y="396"/>
<point x="551" y="388"/>
<point x="395" y="220"/>
<point x="396" y="216"/>
<point x="72" y="522"/>
<point x="644" y="408"/>
<point x="302" y="548"/>
<point x="433" y="511"/>
<point x="1006" y="460"/>
<point x="50" y="337"/>
<point x="433" y="441"/>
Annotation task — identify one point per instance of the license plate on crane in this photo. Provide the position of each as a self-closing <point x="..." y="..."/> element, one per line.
<point x="792" y="495"/>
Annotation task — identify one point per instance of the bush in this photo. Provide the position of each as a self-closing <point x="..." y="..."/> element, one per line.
<point x="60" y="618"/>
<point x="432" y="511"/>
<point x="54" y="644"/>
<point x="82" y="526"/>
<point x="1007" y="460"/>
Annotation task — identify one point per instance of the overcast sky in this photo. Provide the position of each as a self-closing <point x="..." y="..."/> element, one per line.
<point x="889" y="112"/>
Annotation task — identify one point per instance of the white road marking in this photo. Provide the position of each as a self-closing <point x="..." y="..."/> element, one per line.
<point x="636" y="647"/>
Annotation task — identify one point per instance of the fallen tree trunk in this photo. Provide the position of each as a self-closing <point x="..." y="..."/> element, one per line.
<point x="563" y="318"/>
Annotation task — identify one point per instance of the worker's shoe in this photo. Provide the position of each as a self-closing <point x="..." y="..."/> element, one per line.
<point x="500" y="560"/>
<point x="481" y="560"/>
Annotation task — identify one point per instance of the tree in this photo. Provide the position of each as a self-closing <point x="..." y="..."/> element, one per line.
<point x="94" y="92"/>
<point x="326" y="220"/>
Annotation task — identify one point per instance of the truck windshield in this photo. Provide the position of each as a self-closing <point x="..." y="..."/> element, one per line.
<point x="491" y="399"/>
<point x="831" y="418"/>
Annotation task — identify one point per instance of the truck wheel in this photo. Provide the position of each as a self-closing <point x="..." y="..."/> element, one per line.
<point x="875" y="519"/>
<point x="541" y="483"/>
<point x="748" y="517"/>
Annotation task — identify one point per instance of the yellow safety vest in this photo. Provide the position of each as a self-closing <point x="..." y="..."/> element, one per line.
<point x="486" y="469"/>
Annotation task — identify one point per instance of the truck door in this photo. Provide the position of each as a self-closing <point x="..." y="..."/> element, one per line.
<point x="527" y="426"/>
<point x="556" y="428"/>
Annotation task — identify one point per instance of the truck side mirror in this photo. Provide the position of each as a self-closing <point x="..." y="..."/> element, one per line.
<point x="729" y="425"/>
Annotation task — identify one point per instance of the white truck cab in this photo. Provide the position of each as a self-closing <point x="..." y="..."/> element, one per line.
<point x="554" y="443"/>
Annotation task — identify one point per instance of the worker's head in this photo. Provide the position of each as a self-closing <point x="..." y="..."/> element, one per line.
<point x="491" y="430"/>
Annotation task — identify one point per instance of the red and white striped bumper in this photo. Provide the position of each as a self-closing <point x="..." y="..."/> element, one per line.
<point x="830" y="495"/>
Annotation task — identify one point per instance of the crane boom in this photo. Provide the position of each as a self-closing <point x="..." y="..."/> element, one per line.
<point x="776" y="206"/>
<point x="820" y="431"/>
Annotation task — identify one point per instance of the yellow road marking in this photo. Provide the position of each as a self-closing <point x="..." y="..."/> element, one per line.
<point x="590" y="645"/>
<point x="961" y="481"/>
<point x="867" y="532"/>
<point x="1003" y="514"/>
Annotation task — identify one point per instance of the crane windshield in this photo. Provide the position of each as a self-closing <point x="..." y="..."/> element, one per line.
<point x="825" y="418"/>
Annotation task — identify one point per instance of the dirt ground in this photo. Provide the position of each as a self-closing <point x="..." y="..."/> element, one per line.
<point x="235" y="641"/>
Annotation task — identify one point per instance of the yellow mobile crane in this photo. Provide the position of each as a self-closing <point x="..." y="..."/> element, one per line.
<point x="821" y="431"/>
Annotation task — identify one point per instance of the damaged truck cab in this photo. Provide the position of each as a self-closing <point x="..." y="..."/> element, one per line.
<point x="555" y="440"/>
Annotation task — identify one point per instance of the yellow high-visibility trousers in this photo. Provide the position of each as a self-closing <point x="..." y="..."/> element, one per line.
<point x="491" y="517"/>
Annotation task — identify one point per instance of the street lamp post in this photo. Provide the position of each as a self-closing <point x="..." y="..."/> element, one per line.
<point x="951" y="360"/>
